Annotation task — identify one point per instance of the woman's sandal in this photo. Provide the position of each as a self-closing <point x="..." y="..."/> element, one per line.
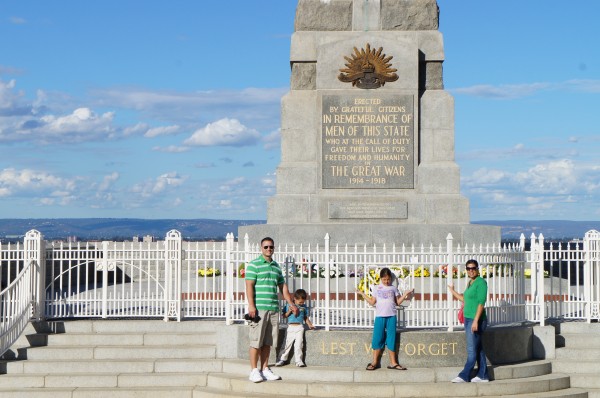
<point x="397" y="367"/>
<point x="370" y="366"/>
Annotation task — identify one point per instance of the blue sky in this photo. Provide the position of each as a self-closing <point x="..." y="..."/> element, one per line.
<point x="161" y="109"/>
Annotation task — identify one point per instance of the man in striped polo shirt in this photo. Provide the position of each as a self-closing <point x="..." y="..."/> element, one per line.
<point x="263" y="279"/>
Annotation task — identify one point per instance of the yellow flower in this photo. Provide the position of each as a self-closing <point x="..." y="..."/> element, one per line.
<point x="368" y="281"/>
<point x="421" y="271"/>
<point x="209" y="271"/>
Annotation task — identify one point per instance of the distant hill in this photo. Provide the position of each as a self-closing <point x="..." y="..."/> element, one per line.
<point x="121" y="228"/>
<point x="551" y="229"/>
<point x="206" y="229"/>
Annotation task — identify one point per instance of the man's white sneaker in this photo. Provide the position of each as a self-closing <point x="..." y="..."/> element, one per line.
<point x="300" y="364"/>
<point x="281" y="362"/>
<point x="270" y="376"/>
<point x="457" y="380"/>
<point x="476" y="379"/>
<point x="255" y="376"/>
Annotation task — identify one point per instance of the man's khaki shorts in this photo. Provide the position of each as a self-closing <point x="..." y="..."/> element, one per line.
<point x="266" y="331"/>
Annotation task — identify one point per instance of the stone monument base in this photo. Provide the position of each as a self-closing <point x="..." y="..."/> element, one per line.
<point x="372" y="233"/>
<point x="415" y="348"/>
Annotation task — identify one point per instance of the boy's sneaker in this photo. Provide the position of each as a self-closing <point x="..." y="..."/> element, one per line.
<point x="300" y="364"/>
<point x="269" y="375"/>
<point x="457" y="379"/>
<point x="255" y="376"/>
<point x="476" y="379"/>
<point x="281" y="362"/>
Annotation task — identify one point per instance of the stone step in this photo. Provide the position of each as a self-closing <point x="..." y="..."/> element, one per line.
<point x="585" y="380"/>
<point x="110" y="366"/>
<point x="578" y="327"/>
<point x="399" y="387"/>
<point x="582" y="354"/>
<point x="137" y="392"/>
<point x="593" y="393"/>
<point x="127" y="326"/>
<point x="120" y="352"/>
<point x="208" y="392"/>
<point x="129" y="339"/>
<point x="99" y="380"/>
<point x="578" y="340"/>
<point x="576" y="366"/>
<point x="426" y="375"/>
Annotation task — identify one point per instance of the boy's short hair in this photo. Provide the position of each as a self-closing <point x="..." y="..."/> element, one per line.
<point x="300" y="294"/>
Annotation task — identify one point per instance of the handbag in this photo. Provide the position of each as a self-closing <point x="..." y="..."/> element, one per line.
<point x="461" y="313"/>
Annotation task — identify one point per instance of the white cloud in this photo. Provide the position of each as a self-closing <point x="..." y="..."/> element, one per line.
<point x="508" y="91"/>
<point x="224" y="132"/>
<point x="12" y="101"/>
<point x="512" y="91"/>
<point x="159" y="184"/>
<point x="171" y="149"/>
<point x="162" y="130"/>
<point x="138" y="128"/>
<point x="554" y="177"/>
<point x="244" y="104"/>
<point x="272" y="140"/>
<point x="20" y="182"/>
<point x="17" y="20"/>
<point x="108" y="180"/>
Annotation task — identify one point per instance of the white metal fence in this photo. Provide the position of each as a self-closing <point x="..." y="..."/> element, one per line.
<point x="174" y="279"/>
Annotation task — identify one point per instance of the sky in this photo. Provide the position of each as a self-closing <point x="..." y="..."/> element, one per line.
<point x="161" y="109"/>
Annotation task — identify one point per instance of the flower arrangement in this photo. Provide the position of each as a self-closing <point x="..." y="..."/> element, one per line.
<point x="446" y="272"/>
<point x="314" y="271"/>
<point x="209" y="272"/>
<point x="242" y="270"/>
<point x="421" y="271"/>
<point x="527" y="273"/>
<point x="400" y="271"/>
<point x="368" y="282"/>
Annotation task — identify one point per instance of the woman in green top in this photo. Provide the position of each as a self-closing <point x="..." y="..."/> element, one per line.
<point x="474" y="298"/>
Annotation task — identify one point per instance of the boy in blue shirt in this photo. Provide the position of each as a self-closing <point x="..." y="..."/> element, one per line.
<point x="295" y="330"/>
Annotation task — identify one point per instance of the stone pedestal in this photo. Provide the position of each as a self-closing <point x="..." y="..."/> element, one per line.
<point x="367" y="131"/>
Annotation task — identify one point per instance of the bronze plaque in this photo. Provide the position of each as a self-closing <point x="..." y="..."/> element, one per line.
<point x="367" y="141"/>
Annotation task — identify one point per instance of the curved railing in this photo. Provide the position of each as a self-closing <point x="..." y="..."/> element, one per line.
<point x="15" y="307"/>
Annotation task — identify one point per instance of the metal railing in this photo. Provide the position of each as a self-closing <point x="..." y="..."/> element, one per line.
<point x="175" y="279"/>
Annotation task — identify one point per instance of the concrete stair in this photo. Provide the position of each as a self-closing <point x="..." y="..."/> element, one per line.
<point x="152" y="358"/>
<point x="578" y="354"/>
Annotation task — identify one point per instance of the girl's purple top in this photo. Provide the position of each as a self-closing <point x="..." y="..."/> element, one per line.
<point x="386" y="300"/>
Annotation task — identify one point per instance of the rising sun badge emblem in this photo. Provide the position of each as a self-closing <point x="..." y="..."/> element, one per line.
<point x="368" y="68"/>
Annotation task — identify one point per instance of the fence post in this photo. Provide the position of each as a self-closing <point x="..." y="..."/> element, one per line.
<point x="533" y="293"/>
<point x="104" y="279"/>
<point x="173" y="275"/>
<point x="450" y="273"/>
<point x="228" y="279"/>
<point x="327" y="284"/>
<point x="541" y="281"/>
<point x="36" y="259"/>
<point x="587" y="277"/>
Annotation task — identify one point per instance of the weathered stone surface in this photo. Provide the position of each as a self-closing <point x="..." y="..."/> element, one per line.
<point x="409" y="15"/>
<point x="324" y="16"/>
<point x="304" y="76"/>
<point x="346" y="148"/>
<point x="425" y="349"/>
<point x="430" y="76"/>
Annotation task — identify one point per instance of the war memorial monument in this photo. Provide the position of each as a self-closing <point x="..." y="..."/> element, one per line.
<point x="367" y="156"/>
<point x="367" y="131"/>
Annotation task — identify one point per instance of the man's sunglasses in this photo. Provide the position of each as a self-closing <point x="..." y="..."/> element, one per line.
<point x="268" y="247"/>
<point x="471" y="268"/>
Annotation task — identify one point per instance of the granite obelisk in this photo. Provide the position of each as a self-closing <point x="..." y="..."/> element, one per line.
<point x="367" y="131"/>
